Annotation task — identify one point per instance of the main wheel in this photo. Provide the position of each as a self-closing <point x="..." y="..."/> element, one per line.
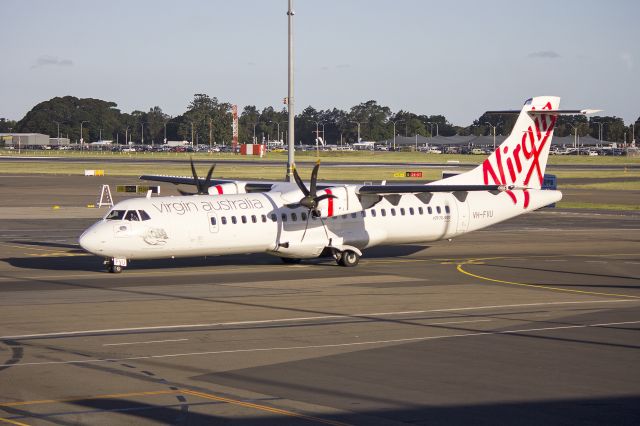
<point x="349" y="258"/>
<point x="290" y="260"/>
<point x="115" y="269"/>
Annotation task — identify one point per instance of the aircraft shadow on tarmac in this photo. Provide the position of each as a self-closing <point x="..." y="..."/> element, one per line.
<point x="587" y="411"/>
<point x="71" y="262"/>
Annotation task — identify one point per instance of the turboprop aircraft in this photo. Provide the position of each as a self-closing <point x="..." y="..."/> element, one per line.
<point x="294" y="221"/>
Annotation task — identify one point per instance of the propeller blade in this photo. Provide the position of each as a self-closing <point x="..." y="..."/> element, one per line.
<point x="324" y="197"/>
<point x="207" y="181"/>
<point x="195" y="177"/>
<point x="299" y="182"/>
<point x="314" y="179"/>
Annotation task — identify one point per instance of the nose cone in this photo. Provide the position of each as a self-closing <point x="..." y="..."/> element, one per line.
<point x="91" y="241"/>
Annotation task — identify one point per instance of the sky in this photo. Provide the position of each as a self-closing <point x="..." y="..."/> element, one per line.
<point x="456" y="58"/>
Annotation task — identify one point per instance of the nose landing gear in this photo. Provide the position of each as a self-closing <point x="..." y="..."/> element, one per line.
<point x="115" y="265"/>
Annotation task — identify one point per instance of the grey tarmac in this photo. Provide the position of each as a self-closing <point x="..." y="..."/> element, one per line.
<point x="533" y="321"/>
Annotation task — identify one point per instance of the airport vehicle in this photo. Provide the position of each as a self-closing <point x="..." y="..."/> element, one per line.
<point x="297" y="221"/>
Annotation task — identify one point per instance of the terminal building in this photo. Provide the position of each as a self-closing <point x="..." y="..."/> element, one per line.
<point x="31" y="140"/>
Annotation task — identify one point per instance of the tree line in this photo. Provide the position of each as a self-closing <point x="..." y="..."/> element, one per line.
<point x="209" y="121"/>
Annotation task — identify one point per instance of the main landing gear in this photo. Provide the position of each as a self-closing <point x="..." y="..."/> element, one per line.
<point x="347" y="258"/>
<point x="115" y="265"/>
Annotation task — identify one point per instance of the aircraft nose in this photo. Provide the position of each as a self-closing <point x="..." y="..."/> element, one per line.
<point x="91" y="241"/>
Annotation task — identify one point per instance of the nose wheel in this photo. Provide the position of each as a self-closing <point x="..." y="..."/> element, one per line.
<point x="115" y="266"/>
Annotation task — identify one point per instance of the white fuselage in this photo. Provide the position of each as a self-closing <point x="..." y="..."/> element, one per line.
<point x="205" y="225"/>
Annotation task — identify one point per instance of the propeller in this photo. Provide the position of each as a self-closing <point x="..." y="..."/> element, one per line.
<point x="202" y="188"/>
<point x="311" y="200"/>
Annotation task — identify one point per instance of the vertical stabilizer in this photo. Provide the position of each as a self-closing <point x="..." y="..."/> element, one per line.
<point x="522" y="158"/>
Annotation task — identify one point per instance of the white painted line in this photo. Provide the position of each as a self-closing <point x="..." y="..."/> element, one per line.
<point x="632" y="263"/>
<point x="327" y="346"/>
<point x="316" y="318"/>
<point x="144" y="343"/>
<point x="595" y="261"/>
<point x="555" y="260"/>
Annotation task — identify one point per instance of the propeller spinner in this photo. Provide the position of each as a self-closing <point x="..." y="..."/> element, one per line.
<point x="311" y="200"/>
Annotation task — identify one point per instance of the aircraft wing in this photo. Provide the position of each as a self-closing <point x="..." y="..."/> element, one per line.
<point x="417" y="188"/>
<point x="188" y="180"/>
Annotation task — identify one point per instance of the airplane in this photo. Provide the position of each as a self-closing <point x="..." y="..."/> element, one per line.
<point x="295" y="221"/>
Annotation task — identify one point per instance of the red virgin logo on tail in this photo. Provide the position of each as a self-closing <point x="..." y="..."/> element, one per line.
<point x="524" y="159"/>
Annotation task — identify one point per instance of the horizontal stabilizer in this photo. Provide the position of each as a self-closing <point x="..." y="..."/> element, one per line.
<point x="414" y="189"/>
<point x="548" y="111"/>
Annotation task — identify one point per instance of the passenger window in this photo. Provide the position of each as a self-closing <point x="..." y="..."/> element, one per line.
<point x="294" y="217"/>
<point x="411" y="211"/>
<point x="354" y="215"/>
<point x="420" y="211"/>
<point x="233" y="220"/>
<point x="264" y="218"/>
<point x="254" y="219"/>
<point x="223" y="219"/>
<point x="429" y="210"/>
<point x="393" y="212"/>
<point x="132" y="215"/>
<point x="344" y="216"/>
<point x="284" y="217"/>
<point x="446" y="209"/>
<point x="303" y="216"/>
<point x="383" y="212"/>
<point x="244" y="219"/>
<point x="438" y="209"/>
<point x="274" y="218"/>
<point x="363" y="213"/>
<point x="373" y="212"/>
<point x="402" y="211"/>
<point x="115" y="215"/>
<point x="213" y="220"/>
<point x="143" y="215"/>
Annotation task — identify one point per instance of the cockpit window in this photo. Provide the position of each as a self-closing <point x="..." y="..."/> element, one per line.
<point x="144" y="215"/>
<point x="132" y="215"/>
<point x="115" y="215"/>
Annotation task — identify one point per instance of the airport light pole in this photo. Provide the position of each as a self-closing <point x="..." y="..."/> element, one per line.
<point x="358" y="123"/>
<point x="494" y="133"/>
<point x="81" y="137"/>
<point x="394" y="133"/>
<point x="600" y="125"/>
<point x="575" y="135"/>
<point x="290" y="100"/>
<point x="141" y="133"/>
<point x="431" y="123"/>
<point x="278" y="124"/>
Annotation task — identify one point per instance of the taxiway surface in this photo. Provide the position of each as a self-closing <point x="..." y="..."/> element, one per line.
<point x="534" y="321"/>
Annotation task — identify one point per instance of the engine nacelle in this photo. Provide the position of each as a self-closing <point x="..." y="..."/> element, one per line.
<point x="346" y="201"/>
<point x="228" y="188"/>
